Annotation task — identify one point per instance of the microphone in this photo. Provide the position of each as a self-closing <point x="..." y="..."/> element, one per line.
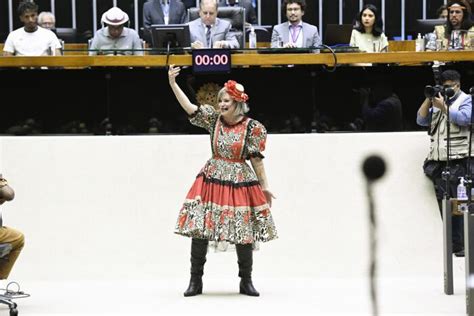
<point x="373" y="167"/>
<point x="471" y="91"/>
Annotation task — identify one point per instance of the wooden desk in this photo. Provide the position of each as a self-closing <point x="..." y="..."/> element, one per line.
<point x="240" y="59"/>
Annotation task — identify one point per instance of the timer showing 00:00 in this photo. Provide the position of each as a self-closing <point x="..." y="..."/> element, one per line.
<point x="206" y="60"/>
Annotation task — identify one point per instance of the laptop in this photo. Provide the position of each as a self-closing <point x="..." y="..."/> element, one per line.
<point x="338" y="34"/>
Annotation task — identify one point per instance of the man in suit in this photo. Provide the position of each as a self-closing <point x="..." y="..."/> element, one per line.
<point x="210" y="31"/>
<point x="164" y="12"/>
<point x="250" y="15"/>
<point x="295" y="32"/>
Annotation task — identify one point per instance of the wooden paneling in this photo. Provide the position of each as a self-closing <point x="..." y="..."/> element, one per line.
<point x="247" y="59"/>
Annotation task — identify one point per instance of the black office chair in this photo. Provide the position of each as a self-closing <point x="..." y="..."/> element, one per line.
<point x="9" y="295"/>
<point x="236" y="17"/>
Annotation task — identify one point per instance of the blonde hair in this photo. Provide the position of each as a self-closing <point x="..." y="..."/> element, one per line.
<point x="240" y="107"/>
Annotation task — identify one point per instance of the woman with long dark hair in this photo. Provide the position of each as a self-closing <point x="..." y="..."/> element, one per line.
<point x="368" y="31"/>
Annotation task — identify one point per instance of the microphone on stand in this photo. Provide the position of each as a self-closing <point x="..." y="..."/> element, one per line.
<point x="373" y="168"/>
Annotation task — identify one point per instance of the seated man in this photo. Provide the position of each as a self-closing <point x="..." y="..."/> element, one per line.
<point x="209" y="31"/>
<point x="457" y="32"/>
<point x="114" y="38"/>
<point x="163" y="12"/>
<point x="47" y="20"/>
<point x="9" y="235"/>
<point x="31" y="39"/>
<point x="295" y="32"/>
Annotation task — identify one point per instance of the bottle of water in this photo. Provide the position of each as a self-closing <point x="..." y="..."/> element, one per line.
<point x="252" y="38"/>
<point x="462" y="195"/>
<point x="420" y="43"/>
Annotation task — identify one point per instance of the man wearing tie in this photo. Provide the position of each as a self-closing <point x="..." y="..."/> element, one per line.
<point x="209" y="31"/>
<point x="164" y="12"/>
<point x="295" y="32"/>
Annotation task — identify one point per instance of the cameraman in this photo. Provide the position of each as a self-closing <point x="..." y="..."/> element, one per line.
<point x="433" y="113"/>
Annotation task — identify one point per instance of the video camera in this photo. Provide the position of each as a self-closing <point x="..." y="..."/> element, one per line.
<point x="432" y="91"/>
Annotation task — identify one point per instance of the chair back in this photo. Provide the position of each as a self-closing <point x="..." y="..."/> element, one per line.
<point x="67" y="34"/>
<point x="235" y="15"/>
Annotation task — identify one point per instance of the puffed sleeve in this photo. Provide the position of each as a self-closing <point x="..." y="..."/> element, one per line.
<point x="205" y="117"/>
<point x="256" y="139"/>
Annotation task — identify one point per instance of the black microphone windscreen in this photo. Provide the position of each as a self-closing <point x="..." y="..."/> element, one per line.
<point x="373" y="167"/>
<point x="471" y="91"/>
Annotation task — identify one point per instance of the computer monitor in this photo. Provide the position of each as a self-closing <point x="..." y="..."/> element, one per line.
<point x="67" y="34"/>
<point x="427" y="25"/>
<point x="170" y="36"/>
<point x="338" y="34"/>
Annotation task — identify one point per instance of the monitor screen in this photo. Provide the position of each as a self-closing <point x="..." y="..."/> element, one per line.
<point x="176" y="35"/>
<point x="68" y="35"/>
<point x="428" y="25"/>
<point x="337" y="34"/>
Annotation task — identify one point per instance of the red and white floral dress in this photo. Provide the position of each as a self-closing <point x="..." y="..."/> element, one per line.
<point x="226" y="203"/>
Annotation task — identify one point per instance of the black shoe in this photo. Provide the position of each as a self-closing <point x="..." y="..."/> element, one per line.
<point x="195" y="286"/>
<point x="459" y="253"/>
<point x="246" y="287"/>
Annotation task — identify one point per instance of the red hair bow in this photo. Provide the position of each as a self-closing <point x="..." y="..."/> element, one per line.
<point x="236" y="91"/>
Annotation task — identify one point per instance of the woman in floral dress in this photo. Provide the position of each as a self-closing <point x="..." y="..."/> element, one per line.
<point x="228" y="202"/>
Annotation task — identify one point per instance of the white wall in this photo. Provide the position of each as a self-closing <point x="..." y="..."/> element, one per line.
<point x="105" y="207"/>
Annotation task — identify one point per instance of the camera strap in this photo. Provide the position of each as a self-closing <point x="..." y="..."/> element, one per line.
<point x="433" y="130"/>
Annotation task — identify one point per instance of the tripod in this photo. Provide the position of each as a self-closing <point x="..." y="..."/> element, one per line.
<point x="447" y="207"/>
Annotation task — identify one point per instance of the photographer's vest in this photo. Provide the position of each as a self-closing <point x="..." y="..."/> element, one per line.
<point x="459" y="135"/>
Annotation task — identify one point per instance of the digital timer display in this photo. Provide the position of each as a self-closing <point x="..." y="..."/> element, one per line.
<point x="211" y="60"/>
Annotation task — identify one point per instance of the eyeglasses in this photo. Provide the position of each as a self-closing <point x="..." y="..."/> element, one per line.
<point x="449" y="86"/>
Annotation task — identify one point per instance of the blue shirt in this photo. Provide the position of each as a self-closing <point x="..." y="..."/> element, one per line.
<point x="460" y="116"/>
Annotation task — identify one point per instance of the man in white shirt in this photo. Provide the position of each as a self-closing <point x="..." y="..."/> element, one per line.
<point x="31" y="39"/>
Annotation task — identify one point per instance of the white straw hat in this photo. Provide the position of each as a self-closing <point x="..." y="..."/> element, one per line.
<point x="114" y="16"/>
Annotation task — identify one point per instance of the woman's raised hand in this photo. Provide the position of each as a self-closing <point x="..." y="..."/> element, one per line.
<point x="173" y="72"/>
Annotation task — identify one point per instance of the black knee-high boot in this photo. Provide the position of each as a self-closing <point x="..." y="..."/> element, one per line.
<point x="198" y="258"/>
<point x="245" y="260"/>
